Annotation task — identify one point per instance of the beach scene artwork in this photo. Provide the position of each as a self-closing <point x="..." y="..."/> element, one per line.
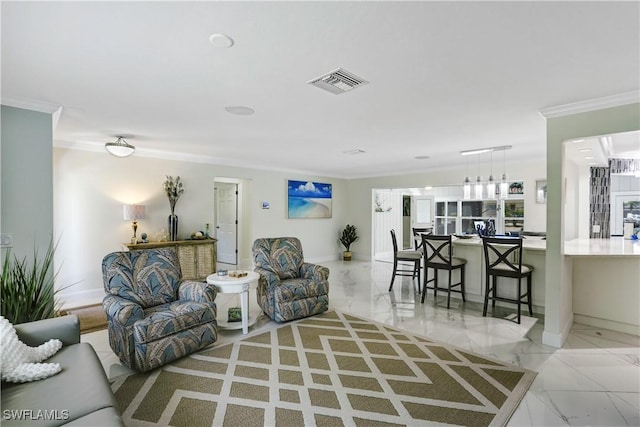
<point x="309" y="199"/>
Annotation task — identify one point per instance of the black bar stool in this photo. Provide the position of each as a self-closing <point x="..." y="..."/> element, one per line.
<point x="438" y="255"/>
<point x="404" y="256"/>
<point x="503" y="258"/>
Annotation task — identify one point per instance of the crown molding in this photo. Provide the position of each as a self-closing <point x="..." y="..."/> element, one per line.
<point x="591" y="105"/>
<point x="97" y="147"/>
<point x="32" y="104"/>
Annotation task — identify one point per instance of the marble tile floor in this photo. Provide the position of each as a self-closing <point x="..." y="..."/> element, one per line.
<point x="594" y="380"/>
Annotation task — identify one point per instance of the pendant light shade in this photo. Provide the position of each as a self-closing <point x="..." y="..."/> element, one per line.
<point x="466" y="189"/>
<point x="504" y="187"/>
<point x="491" y="188"/>
<point x="120" y="148"/>
<point x="478" y="189"/>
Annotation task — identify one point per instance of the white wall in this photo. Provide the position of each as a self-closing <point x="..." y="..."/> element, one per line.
<point x="91" y="187"/>
<point x="360" y="206"/>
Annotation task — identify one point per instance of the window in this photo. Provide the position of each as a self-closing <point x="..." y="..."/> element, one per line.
<point x="513" y="215"/>
<point x="477" y="211"/>
<point x="446" y="217"/>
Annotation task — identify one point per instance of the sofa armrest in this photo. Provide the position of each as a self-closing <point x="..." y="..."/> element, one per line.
<point x="65" y="328"/>
<point x="121" y="311"/>
<point x="267" y="277"/>
<point x="191" y="290"/>
<point x="314" y="271"/>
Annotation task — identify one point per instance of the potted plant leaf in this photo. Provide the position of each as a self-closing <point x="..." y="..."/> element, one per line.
<point x="27" y="288"/>
<point x="348" y="236"/>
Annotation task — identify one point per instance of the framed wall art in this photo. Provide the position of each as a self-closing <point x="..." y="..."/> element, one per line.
<point x="306" y="199"/>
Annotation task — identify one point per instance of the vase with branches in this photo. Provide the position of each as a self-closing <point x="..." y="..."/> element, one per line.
<point x="174" y="189"/>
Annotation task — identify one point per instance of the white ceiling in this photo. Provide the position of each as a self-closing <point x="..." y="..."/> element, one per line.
<point x="444" y="76"/>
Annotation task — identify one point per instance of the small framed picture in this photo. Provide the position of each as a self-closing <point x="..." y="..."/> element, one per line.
<point x="541" y="191"/>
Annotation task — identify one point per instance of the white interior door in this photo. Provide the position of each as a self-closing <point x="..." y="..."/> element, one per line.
<point x="422" y="212"/>
<point x="227" y="222"/>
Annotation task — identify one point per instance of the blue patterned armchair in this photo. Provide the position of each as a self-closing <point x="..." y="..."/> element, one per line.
<point x="289" y="288"/>
<point x="154" y="317"/>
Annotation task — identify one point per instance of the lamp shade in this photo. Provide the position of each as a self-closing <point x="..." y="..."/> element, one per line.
<point x="120" y="148"/>
<point x="132" y="212"/>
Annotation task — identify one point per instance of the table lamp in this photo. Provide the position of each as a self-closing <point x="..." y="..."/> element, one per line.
<point x="133" y="213"/>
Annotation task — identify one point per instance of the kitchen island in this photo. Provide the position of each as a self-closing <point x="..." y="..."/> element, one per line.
<point x="606" y="282"/>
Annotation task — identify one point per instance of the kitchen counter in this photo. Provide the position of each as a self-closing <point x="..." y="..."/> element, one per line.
<point x="528" y="243"/>
<point x="615" y="246"/>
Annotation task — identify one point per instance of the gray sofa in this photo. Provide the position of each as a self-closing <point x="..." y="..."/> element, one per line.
<point x="77" y="396"/>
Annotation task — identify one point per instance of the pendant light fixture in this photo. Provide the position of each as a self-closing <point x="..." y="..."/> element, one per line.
<point x="466" y="187"/>
<point x="478" y="187"/>
<point x="120" y="148"/>
<point x="504" y="185"/>
<point x="491" y="184"/>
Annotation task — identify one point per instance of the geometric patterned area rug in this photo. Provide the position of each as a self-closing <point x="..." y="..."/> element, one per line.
<point x="333" y="369"/>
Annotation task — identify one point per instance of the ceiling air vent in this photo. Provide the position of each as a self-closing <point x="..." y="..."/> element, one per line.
<point x="338" y="81"/>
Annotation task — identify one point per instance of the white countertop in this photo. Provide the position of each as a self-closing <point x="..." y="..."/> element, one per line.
<point x="528" y="243"/>
<point x="615" y="246"/>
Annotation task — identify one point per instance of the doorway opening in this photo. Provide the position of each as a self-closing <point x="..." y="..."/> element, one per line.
<point x="227" y="221"/>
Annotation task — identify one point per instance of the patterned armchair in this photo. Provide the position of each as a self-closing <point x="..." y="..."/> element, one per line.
<point x="154" y="316"/>
<point x="289" y="288"/>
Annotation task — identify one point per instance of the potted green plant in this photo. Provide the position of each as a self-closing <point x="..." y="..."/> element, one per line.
<point x="348" y="236"/>
<point x="28" y="291"/>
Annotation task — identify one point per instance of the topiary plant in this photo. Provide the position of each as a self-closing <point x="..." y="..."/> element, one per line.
<point x="348" y="236"/>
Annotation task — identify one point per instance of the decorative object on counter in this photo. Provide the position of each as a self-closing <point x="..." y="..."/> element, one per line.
<point x="379" y="207"/>
<point x="235" y="314"/>
<point x="144" y="238"/>
<point x="348" y="236"/>
<point x="198" y="235"/>
<point x="486" y="229"/>
<point x="173" y="188"/>
<point x="238" y="274"/>
<point x="133" y="213"/>
<point x="206" y="231"/>
<point x="222" y="272"/>
<point x="516" y="187"/>
<point x="120" y="148"/>
<point x="162" y="236"/>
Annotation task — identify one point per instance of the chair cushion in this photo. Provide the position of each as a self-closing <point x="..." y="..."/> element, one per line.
<point x="454" y="261"/>
<point x="295" y="289"/>
<point x="503" y="266"/>
<point x="168" y="319"/>
<point x="148" y="277"/>
<point x="282" y="256"/>
<point x="409" y="254"/>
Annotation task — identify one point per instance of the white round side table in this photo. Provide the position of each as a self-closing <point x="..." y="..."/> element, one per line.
<point x="236" y="285"/>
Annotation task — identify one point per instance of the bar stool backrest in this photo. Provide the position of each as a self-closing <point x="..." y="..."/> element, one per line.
<point x="438" y="250"/>
<point x="503" y="255"/>
<point x="417" y="236"/>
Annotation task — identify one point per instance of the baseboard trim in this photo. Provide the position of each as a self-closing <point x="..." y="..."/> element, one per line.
<point x="607" y="324"/>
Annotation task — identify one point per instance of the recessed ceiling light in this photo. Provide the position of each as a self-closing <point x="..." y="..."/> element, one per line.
<point x="220" y="40"/>
<point x="421" y="157"/>
<point x="589" y="158"/>
<point x="584" y="150"/>
<point x="240" y="110"/>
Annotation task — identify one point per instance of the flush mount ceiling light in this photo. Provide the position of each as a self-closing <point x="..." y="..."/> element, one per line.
<point x="338" y="81"/>
<point x="120" y="148"/>
<point x="220" y="40"/>
<point x="240" y="110"/>
<point x="484" y="150"/>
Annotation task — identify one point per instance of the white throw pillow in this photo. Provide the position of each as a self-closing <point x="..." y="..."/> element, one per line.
<point x="19" y="363"/>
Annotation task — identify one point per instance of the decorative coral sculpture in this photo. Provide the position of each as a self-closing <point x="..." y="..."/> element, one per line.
<point x="20" y="363"/>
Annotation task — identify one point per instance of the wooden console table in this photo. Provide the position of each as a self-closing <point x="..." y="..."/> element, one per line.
<point x="197" y="257"/>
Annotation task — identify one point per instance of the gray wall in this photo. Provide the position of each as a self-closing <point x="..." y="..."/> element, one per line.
<point x="27" y="179"/>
